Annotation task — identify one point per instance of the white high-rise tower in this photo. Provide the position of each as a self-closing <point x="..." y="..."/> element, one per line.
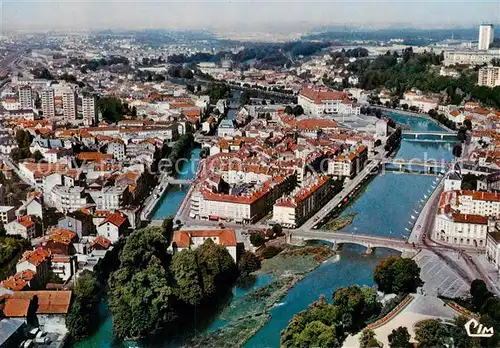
<point x="486" y="35"/>
<point x="48" y="103"/>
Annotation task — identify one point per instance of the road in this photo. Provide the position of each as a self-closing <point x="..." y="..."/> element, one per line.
<point x="339" y="197"/>
<point x="460" y="260"/>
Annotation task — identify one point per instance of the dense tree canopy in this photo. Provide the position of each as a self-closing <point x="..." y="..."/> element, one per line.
<point x="397" y="275"/>
<point x="432" y="334"/>
<point x="248" y="263"/>
<point x="85" y="306"/>
<point x="367" y="339"/>
<point x="112" y="109"/>
<point x="350" y="310"/>
<point x="420" y="70"/>
<point x="152" y="292"/>
<point x="399" y="338"/>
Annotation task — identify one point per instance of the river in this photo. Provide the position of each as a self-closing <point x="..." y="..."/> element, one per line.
<point x="387" y="206"/>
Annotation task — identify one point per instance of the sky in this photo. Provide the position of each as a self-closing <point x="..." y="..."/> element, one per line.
<point x="239" y="15"/>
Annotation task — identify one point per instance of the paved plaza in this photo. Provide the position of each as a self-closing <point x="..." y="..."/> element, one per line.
<point x="439" y="278"/>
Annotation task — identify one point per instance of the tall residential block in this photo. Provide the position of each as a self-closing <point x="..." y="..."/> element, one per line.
<point x="486" y="35"/>
<point x="489" y="76"/>
<point x="89" y="109"/>
<point x="69" y="104"/>
<point x="48" y="102"/>
<point x="25" y="97"/>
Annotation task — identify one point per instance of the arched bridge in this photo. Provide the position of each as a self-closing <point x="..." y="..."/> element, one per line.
<point x="176" y="181"/>
<point x="338" y="238"/>
<point x="416" y="162"/>
<point x="416" y="134"/>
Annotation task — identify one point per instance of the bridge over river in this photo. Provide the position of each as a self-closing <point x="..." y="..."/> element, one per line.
<point x="408" y="134"/>
<point x="371" y="242"/>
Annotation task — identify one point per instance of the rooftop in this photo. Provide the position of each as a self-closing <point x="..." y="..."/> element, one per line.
<point x="183" y="238"/>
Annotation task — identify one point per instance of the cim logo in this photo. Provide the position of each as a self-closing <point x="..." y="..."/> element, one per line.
<point x="480" y="331"/>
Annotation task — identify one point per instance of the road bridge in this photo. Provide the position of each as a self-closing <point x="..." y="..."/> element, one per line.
<point x="370" y="242"/>
<point x="416" y="162"/>
<point x="177" y="181"/>
<point x="407" y="134"/>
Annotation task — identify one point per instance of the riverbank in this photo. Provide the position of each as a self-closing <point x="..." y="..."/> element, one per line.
<point x="168" y="204"/>
<point x="249" y="313"/>
<point x="414" y="114"/>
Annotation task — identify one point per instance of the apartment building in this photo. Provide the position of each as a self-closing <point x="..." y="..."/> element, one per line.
<point x="25" y="97"/>
<point x="23" y="226"/>
<point x="7" y="214"/>
<point x="36" y="261"/>
<point x="48" y="103"/>
<point x="493" y="248"/>
<point x="348" y="166"/>
<point x="486" y="35"/>
<point x="293" y="210"/>
<point x="68" y="199"/>
<point x="89" y="109"/>
<point x="461" y="229"/>
<point x="317" y="102"/>
<point x="111" y="197"/>
<point x="247" y="203"/>
<point x="489" y="76"/>
<point x="69" y="104"/>
<point x="117" y="149"/>
<point x="469" y="57"/>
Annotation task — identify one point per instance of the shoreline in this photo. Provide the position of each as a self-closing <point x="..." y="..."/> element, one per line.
<point x="414" y="114"/>
<point x="289" y="280"/>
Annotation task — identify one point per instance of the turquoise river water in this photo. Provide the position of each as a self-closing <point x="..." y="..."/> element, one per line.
<point x="387" y="206"/>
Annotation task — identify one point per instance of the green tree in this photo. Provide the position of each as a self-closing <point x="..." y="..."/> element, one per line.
<point x="432" y="334"/>
<point x="168" y="228"/>
<point x="217" y="267"/>
<point x="367" y="339"/>
<point x="141" y="302"/>
<point x="185" y="269"/>
<point x="469" y="182"/>
<point x="37" y="156"/>
<point x="317" y="334"/>
<point x="85" y="307"/>
<point x="112" y="109"/>
<point x="248" y="263"/>
<point x="468" y="124"/>
<point x="397" y="275"/>
<point x="320" y="311"/>
<point x="459" y="335"/>
<point x="479" y="292"/>
<point x="256" y="239"/>
<point x="141" y="246"/>
<point x="400" y="338"/>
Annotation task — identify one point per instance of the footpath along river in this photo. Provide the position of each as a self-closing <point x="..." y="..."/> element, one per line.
<point x="385" y="207"/>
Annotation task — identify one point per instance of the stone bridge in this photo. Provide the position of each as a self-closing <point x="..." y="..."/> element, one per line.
<point x="370" y="242"/>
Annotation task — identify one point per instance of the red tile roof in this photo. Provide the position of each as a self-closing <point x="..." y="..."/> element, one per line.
<point x="102" y="241"/>
<point x="16" y="307"/>
<point x="183" y="238"/>
<point x="25" y="221"/>
<point x="469" y="218"/>
<point x="116" y="219"/>
<point x="49" y="302"/>
<point x="61" y="235"/>
<point x="35" y="257"/>
<point x="93" y="156"/>
<point x="319" y="96"/>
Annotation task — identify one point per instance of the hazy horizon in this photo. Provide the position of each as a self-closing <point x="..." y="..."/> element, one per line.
<point x="242" y="16"/>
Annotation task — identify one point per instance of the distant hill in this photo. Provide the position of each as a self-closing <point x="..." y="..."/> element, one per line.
<point x="408" y="34"/>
